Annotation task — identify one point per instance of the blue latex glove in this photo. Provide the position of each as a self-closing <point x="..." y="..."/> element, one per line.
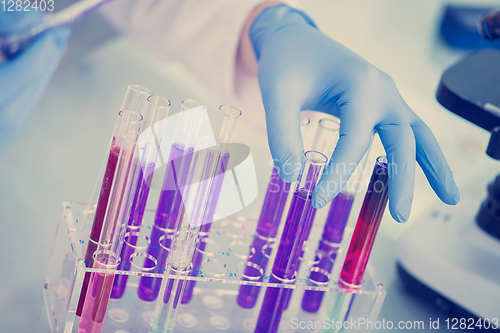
<point x="24" y="78"/>
<point x="300" y="68"/>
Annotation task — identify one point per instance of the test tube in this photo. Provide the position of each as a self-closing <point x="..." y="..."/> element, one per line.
<point x="267" y="228"/>
<point x="195" y="197"/>
<point x="325" y="140"/>
<point x="170" y="201"/>
<point x="331" y="239"/>
<point x="127" y="121"/>
<point x="291" y="243"/>
<point x="107" y="256"/>
<point x="228" y="119"/>
<point x="155" y="111"/>
<point x="360" y="247"/>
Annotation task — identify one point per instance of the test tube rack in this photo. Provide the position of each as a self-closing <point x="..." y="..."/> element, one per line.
<point x="213" y="307"/>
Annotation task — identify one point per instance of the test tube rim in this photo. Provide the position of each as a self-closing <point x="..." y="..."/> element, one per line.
<point x="324" y="121"/>
<point x="307" y="121"/>
<point x="125" y="112"/>
<point x="189" y="100"/>
<point x="158" y="97"/>
<point x="382" y="161"/>
<point x="138" y="88"/>
<point x="237" y="114"/>
<point x="315" y="153"/>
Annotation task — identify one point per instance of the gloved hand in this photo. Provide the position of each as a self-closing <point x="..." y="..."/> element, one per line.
<point x="300" y="68"/>
<point x="24" y="78"/>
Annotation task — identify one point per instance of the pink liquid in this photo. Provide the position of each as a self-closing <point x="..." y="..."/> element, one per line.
<point x="96" y="302"/>
<point x="366" y="228"/>
<point x="167" y="212"/>
<point x="100" y="212"/>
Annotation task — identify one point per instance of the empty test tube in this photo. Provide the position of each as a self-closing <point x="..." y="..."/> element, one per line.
<point x="170" y="201"/>
<point x="360" y="247"/>
<point x="267" y="228"/>
<point x="291" y="243"/>
<point x="107" y="256"/>
<point x="129" y="120"/>
<point x="195" y="196"/>
<point x="155" y="111"/>
<point x="227" y="122"/>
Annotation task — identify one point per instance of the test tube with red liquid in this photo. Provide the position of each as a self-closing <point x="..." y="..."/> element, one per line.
<point x="129" y="120"/>
<point x="360" y="247"/>
<point x="107" y="255"/>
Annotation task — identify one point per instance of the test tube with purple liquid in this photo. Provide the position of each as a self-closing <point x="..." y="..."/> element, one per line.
<point x="170" y="202"/>
<point x="267" y="228"/>
<point x="325" y="140"/>
<point x="291" y="243"/>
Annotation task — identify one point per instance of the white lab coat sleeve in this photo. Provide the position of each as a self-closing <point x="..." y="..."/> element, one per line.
<point x="202" y="34"/>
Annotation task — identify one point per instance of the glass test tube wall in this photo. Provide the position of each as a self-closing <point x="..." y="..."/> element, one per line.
<point x="195" y="195"/>
<point x="325" y="140"/>
<point x="156" y="111"/>
<point x="331" y="239"/>
<point x="170" y="201"/>
<point x="291" y="243"/>
<point x="107" y="256"/>
<point x="128" y="121"/>
<point x="267" y="229"/>
<point x="226" y="128"/>
<point x="360" y="247"/>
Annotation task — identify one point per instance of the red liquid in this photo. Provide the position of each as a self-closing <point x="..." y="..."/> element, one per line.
<point x="366" y="228"/>
<point x="100" y="212"/>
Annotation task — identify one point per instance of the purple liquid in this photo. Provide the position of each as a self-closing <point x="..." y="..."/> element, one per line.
<point x="328" y="246"/>
<point x="285" y="264"/>
<point x="167" y="212"/>
<point x="274" y="204"/>
<point x="100" y="212"/>
<point x="267" y="227"/>
<point x="248" y="294"/>
<point x="207" y="224"/>
<point x="135" y="220"/>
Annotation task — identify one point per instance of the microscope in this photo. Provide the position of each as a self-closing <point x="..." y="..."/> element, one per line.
<point x="451" y="257"/>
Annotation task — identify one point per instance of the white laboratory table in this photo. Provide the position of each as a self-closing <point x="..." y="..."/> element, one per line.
<point x="59" y="152"/>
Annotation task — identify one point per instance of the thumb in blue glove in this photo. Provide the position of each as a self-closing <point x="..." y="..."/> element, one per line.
<point x="24" y="78"/>
<point x="300" y="68"/>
